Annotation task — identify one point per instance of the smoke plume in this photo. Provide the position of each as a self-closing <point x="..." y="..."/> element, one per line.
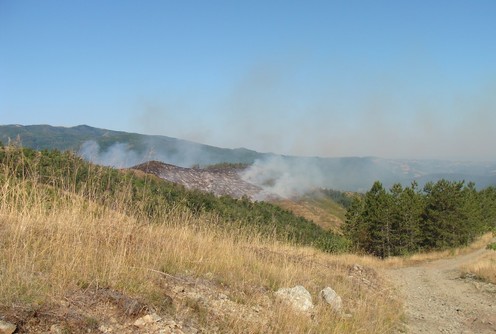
<point x="118" y="155"/>
<point x="284" y="176"/>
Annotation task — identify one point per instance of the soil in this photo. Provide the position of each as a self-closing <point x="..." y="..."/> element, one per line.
<point x="439" y="298"/>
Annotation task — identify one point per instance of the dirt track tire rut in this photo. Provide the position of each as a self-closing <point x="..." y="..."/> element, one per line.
<point x="439" y="300"/>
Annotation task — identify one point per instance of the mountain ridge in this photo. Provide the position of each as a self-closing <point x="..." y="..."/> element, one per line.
<point x="281" y="173"/>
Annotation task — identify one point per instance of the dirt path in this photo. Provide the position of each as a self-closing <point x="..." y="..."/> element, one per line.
<point x="438" y="300"/>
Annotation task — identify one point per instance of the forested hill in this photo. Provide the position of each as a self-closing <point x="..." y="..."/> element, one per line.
<point x="123" y="149"/>
<point x="120" y="147"/>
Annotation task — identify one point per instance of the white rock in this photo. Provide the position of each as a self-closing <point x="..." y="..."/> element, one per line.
<point x="332" y="298"/>
<point x="56" y="329"/>
<point x="298" y="297"/>
<point x="140" y="323"/>
<point x="105" y="329"/>
<point x="147" y="319"/>
<point x="7" y="327"/>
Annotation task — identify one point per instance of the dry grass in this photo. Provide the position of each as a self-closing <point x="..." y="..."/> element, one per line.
<point x="484" y="268"/>
<point x="403" y="261"/>
<point x="50" y="245"/>
<point x="323" y="212"/>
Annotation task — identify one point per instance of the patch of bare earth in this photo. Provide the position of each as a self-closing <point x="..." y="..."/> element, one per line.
<point x="440" y="299"/>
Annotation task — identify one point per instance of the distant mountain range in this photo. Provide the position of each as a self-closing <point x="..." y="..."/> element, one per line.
<point x="284" y="175"/>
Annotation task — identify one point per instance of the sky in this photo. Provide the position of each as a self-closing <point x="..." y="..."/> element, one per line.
<point x="393" y="79"/>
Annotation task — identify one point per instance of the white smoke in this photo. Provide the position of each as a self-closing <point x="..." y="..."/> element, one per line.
<point x="283" y="176"/>
<point x="123" y="155"/>
<point x="118" y="155"/>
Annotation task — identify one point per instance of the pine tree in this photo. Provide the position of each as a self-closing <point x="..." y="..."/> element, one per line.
<point x="487" y="199"/>
<point x="354" y="227"/>
<point x="443" y="217"/>
<point x="407" y="206"/>
<point x="377" y="220"/>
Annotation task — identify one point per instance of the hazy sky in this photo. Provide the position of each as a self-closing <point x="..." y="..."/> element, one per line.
<point x="396" y="79"/>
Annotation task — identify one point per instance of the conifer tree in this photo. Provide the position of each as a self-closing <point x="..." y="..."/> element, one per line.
<point x="376" y="217"/>
<point x="443" y="217"/>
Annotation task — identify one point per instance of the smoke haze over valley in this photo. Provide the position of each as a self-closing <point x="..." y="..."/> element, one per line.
<point x="284" y="176"/>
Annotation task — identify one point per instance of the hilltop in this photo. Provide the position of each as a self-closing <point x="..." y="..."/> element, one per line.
<point x="287" y="174"/>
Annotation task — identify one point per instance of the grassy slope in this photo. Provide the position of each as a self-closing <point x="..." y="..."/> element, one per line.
<point x="154" y="197"/>
<point x="318" y="206"/>
<point x="59" y="238"/>
<point x="322" y="211"/>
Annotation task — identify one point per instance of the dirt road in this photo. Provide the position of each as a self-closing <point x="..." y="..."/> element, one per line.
<point x="438" y="300"/>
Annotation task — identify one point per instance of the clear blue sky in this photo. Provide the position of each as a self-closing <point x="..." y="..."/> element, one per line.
<point x="396" y="79"/>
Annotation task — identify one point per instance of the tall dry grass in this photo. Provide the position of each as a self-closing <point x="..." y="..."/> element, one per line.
<point x="54" y="241"/>
<point x="484" y="268"/>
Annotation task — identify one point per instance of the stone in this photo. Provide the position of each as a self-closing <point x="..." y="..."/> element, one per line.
<point x="105" y="329"/>
<point x="7" y="327"/>
<point x="56" y="329"/>
<point x="332" y="298"/>
<point x="298" y="297"/>
<point x="147" y="319"/>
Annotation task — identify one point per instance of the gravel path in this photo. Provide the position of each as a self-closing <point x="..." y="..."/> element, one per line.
<point x="438" y="300"/>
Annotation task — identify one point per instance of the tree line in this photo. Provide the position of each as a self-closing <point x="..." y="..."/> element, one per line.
<point x="405" y="220"/>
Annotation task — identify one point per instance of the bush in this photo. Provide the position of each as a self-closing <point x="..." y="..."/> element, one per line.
<point x="492" y="246"/>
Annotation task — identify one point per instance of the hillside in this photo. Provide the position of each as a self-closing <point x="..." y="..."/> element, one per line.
<point x="92" y="249"/>
<point x="154" y="197"/>
<point x="228" y="180"/>
<point x="86" y="248"/>
<point x="317" y="207"/>
<point x="275" y="173"/>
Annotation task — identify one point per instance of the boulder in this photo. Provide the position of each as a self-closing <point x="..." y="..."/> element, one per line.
<point x="147" y="319"/>
<point x="7" y="327"/>
<point x="332" y="298"/>
<point x="298" y="297"/>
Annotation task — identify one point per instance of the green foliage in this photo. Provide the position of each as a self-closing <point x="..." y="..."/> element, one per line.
<point x="405" y="220"/>
<point x="492" y="246"/>
<point x="339" y="197"/>
<point x="153" y="199"/>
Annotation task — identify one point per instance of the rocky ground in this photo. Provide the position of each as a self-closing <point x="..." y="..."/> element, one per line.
<point x="439" y="299"/>
<point x="187" y="305"/>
